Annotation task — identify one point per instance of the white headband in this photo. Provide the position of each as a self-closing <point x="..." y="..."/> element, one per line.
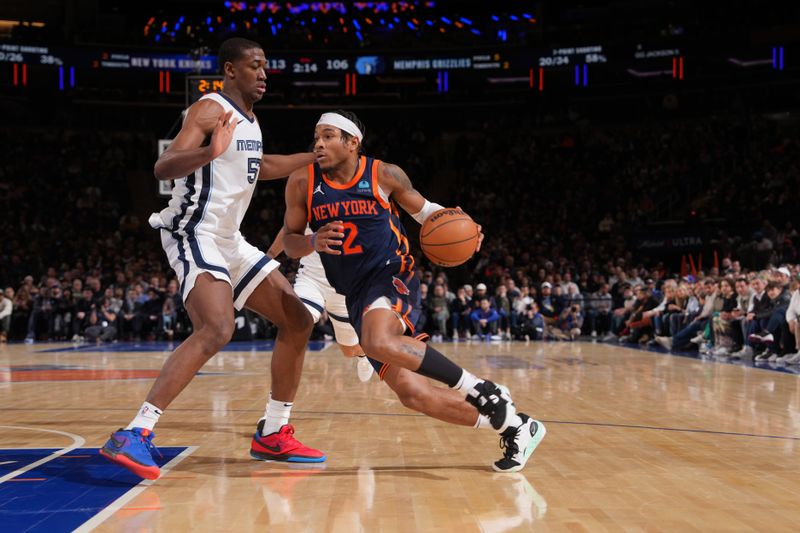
<point x="343" y="123"/>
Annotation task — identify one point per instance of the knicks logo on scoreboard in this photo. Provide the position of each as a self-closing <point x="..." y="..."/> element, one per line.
<point x="400" y="286"/>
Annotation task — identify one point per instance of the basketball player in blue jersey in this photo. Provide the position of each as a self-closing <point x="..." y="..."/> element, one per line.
<point x="216" y="159"/>
<point x="413" y="390"/>
<point x="350" y="203"/>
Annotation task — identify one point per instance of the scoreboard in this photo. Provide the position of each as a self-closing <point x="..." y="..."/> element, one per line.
<point x="197" y="86"/>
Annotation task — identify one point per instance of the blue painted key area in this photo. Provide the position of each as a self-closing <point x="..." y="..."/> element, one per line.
<point x="65" y="492"/>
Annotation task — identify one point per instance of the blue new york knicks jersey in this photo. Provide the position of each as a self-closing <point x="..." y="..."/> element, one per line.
<point x="373" y="235"/>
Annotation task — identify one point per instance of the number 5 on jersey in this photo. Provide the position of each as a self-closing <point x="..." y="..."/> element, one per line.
<point x="253" y="164"/>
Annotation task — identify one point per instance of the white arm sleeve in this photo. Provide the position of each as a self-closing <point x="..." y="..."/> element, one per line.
<point x="427" y="210"/>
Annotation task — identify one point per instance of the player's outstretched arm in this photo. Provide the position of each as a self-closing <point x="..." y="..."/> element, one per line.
<point x="397" y="184"/>
<point x="279" y="166"/>
<point x="296" y="243"/>
<point x="186" y="152"/>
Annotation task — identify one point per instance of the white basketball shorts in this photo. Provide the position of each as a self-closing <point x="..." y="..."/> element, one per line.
<point x="233" y="260"/>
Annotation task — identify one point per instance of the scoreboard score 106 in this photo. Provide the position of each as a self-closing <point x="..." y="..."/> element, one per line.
<point x="307" y="65"/>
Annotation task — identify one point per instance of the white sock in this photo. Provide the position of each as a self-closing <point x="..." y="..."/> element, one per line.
<point x="276" y="415"/>
<point x="466" y="383"/>
<point x="483" y="423"/>
<point x="147" y="417"/>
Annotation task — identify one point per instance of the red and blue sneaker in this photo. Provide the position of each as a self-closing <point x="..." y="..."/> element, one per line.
<point x="132" y="449"/>
<point x="282" y="446"/>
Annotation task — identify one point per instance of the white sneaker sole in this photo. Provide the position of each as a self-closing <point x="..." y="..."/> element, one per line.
<point x="529" y="449"/>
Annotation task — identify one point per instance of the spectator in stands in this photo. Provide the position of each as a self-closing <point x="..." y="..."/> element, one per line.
<point x="460" y="314"/>
<point x="568" y="287"/>
<point x="652" y="318"/>
<point x="548" y="305"/>
<point x="639" y="323"/>
<point x="481" y="293"/>
<point x="758" y="312"/>
<point x="503" y="304"/>
<point x="513" y="291"/>
<point x="151" y="314"/>
<point x="723" y="320"/>
<point x="485" y="321"/>
<point x="23" y="304"/>
<point x="792" y="317"/>
<point x="441" y="279"/>
<point x="63" y="313"/>
<point x="772" y="339"/>
<point x="520" y="306"/>
<point x="129" y="324"/>
<point x="622" y="312"/>
<point x="682" y="310"/>
<point x="102" y="323"/>
<point x="598" y="312"/>
<point x="440" y="313"/>
<point x="531" y="324"/>
<point x="739" y="316"/>
<point x="84" y="308"/>
<point x="169" y="310"/>
<point x="571" y="321"/>
<point x="693" y="333"/>
<point x="6" y="309"/>
<point x="40" y="323"/>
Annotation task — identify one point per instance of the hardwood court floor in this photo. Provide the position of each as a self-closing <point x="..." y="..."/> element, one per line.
<point x="636" y="441"/>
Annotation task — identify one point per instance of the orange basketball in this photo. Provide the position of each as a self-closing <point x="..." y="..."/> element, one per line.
<point x="449" y="237"/>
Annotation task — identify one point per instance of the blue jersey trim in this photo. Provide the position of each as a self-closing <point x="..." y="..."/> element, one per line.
<point x="197" y="217"/>
<point x="339" y="318"/>
<point x="236" y="107"/>
<point x="315" y="305"/>
<point x="187" y="202"/>
<point x="250" y="275"/>
<point x="182" y="259"/>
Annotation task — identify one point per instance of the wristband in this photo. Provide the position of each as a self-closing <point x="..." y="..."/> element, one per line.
<point x="313" y="241"/>
<point x="427" y="210"/>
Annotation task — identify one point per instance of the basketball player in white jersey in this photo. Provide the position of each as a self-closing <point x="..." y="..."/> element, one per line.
<point x="314" y="290"/>
<point x="215" y="161"/>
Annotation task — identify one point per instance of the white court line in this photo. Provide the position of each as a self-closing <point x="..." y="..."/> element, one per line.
<point x="77" y="442"/>
<point x="117" y="504"/>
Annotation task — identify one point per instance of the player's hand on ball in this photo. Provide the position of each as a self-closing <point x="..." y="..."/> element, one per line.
<point x="222" y="134"/>
<point x="480" y="234"/>
<point x="329" y="235"/>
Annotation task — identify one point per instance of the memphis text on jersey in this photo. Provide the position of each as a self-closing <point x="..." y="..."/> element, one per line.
<point x="248" y="145"/>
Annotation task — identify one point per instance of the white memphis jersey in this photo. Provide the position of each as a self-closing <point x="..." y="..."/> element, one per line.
<point x="311" y="265"/>
<point x="215" y="198"/>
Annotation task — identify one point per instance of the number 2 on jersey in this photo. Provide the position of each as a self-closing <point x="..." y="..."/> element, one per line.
<point x="347" y="247"/>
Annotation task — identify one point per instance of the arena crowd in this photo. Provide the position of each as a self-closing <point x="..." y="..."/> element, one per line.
<point x="561" y="208"/>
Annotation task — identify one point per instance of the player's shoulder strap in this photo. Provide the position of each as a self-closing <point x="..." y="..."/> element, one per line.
<point x="376" y="188"/>
<point x="228" y="104"/>
<point x="218" y="98"/>
<point x="314" y="173"/>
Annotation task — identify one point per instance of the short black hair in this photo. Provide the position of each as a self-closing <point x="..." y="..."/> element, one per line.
<point x="233" y="49"/>
<point x="349" y="115"/>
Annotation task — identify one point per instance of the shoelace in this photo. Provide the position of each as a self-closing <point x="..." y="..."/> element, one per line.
<point x="148" y="442"/>
<point x="508" y="443"/>
<point x="289" y="433"/>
